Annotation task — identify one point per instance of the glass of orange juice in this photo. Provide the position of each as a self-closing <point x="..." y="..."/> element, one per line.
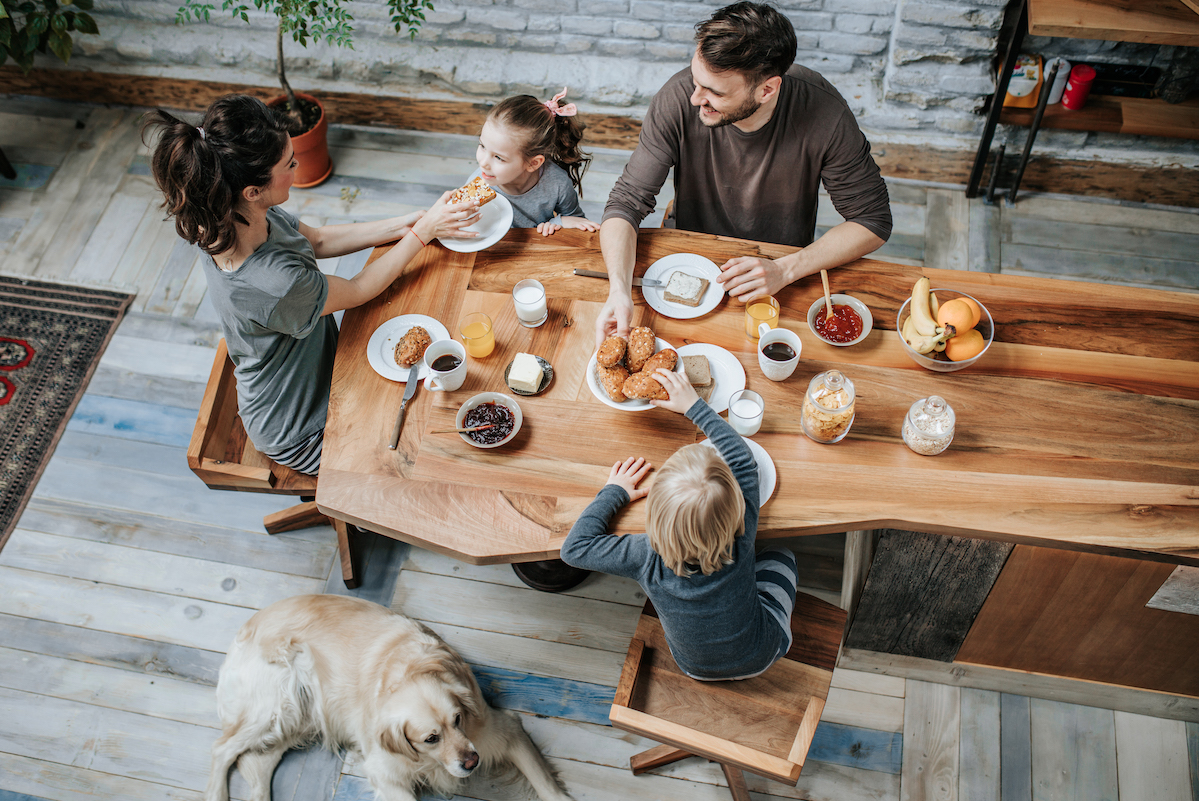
<point x="764" y="309"/>
<point x="477" y="334"/>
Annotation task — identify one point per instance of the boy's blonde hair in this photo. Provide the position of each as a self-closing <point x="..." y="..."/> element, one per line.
<point x="695" y="511"/>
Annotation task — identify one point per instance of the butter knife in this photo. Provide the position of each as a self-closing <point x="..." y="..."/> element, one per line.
<point x="636" y="281"/>
<point x="409" y="391"/>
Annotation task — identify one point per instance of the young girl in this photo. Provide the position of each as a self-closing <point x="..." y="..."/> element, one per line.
<point x="726" y="613"/>
<point x="529" y="152"/>
<point x="223" y="182"/>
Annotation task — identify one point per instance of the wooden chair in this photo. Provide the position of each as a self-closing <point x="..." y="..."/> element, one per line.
<point x="764" y="724"/>
<point x="223" y="457"/>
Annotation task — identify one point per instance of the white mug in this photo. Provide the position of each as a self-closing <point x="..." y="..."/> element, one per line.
<point x="772" y="369"/>
<point x="445" y="380"/>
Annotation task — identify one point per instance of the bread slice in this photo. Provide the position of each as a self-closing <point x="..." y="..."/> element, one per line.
<point x="685" y="289"/>
<point x="699" y="372"/>
<point x="705" y="392"/>
<point x="475" y="190"/>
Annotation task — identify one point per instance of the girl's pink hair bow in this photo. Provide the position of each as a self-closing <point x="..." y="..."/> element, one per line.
<point x="569" y="110"/>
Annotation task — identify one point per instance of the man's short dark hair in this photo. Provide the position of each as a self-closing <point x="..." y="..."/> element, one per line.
<point x="754" y="39"/>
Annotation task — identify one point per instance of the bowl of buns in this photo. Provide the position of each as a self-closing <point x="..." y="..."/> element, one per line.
<point x="621" y="372"/>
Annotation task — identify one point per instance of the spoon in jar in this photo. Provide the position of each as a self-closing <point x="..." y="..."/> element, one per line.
<point x="828" y="300"/>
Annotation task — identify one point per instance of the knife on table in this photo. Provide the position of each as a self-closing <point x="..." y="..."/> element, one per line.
<point x="409" y="391"/>
<point x="636" y="281"/>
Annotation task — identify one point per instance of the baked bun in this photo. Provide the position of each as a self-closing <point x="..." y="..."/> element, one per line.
<point x="664" y="358"/>
<point x="643" y="386"/>
<point x="612" y="380"/>
<point x="641" y="346"/>
<point x="612" y="351"/>
<point x="411" y="347"/>
<point x="475" y="190"/>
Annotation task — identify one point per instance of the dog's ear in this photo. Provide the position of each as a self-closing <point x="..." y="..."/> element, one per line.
<point x="396" y="741"/>
<point x="468" y="697"/>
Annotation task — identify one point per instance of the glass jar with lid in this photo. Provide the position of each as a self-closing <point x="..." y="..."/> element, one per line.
<point x="928" y="426"/>
<point x="828" y="407"/>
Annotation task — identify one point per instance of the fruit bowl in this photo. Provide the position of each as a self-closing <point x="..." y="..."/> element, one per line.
<point x="941" y="364"/>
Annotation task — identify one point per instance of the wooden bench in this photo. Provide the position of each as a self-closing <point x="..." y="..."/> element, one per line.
<point x="223" y="457"/>
<point x="764" y="725"/>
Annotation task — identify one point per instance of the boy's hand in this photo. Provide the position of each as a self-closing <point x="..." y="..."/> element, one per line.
<point x="682" y="394"/>
<point x="628" y="474"/>
<point x="548" y="228"/>
<point x="582" y="223"/>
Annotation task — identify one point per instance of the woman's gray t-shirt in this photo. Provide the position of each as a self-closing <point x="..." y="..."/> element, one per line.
<point x="282" y="347"/>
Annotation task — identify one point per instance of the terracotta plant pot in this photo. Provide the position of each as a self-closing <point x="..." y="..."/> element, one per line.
<point x="312" y="147"/>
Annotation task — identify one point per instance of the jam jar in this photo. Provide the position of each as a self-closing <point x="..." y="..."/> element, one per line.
<point x="928" y="426"/>
<point x="828" y="407"/>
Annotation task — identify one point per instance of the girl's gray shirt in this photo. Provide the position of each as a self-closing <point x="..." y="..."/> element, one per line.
<point x="554" y="194"/>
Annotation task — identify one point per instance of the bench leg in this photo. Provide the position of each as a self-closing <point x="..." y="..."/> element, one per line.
<point x="350" y="543"/>
<point x="656" y="757"/>
<point x="736" y="781"/>
<point x="302" y="515"/>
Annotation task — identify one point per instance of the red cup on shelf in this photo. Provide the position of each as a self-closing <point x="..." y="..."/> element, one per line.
<point x="1078" y="87"/>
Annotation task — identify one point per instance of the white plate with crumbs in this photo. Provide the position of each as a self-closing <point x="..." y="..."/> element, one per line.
<point x="381" y="350"/>
<point x="767" y="474"/>
<point x="692" y="264"/>
<point x="728" y="376"/>
<point x="495" y="220"/>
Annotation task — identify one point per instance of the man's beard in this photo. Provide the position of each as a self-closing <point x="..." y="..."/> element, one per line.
<point x="744" y="111"/>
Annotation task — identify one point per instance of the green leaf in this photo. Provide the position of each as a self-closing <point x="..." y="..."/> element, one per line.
<point x="27" y="8"/>
<point x="85" y="24"/>
<point x="58" y="23"/>
<point x="3" y="15"/>
<point x="37" y="24"/>
<point x="60" y="43"/>
<point x="83" y="5"/>
<point x="24" y="60"/>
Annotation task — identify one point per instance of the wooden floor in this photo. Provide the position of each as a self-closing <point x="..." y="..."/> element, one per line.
<point x="126" y="578"/>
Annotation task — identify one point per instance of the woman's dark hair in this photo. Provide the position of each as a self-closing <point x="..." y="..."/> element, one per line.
<point x="203" y="170"/>
<point x="545" y="134"/>
<point x="751" y="38"/>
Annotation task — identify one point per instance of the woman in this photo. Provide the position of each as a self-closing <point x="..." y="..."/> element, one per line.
<point x="223" y="182"/>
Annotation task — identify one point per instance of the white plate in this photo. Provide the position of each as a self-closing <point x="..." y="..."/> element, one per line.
<point x="727" y="373"/>
<point x="629" y="405"/>
<point x="494" y="221"/>
<point x="767" y="475"/>
<point x="692" y="264"/>
<point x="380" y="351"/>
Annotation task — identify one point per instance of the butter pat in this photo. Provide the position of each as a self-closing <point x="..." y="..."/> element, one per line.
<point x="525" y="374"/>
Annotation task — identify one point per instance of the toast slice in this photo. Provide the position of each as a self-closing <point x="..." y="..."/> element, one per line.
<point x="685" y="289"/>
<point x="475" y="190"/>
<point x="699" y="372"/>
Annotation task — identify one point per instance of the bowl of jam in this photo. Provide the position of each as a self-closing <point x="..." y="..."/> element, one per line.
<point x="851" y="321"/>
<point x="494" y="409"/>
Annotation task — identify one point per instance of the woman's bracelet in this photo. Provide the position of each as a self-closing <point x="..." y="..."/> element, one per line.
<point x="418" y="239"/>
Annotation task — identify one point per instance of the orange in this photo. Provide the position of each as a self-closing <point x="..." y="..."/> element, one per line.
<point x="973" y="304"/>
<point x="965" y="346"/>
<point x="956" y="313"/>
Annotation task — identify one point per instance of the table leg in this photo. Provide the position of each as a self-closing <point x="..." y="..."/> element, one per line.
<point x="349" y="545"/>
<point x="1005" y="76"/>
<point x="551" y="575"/>
<point x="6" y="169"/>
<point x="1032" y="132"/>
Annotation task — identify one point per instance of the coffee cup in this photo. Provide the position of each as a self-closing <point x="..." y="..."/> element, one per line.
<point x="778" y="352"/>
<point x="446" y="360"/>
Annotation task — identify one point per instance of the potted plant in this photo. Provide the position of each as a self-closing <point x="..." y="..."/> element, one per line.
<point x="41" y="26"/>
<point x="304" y="20"/>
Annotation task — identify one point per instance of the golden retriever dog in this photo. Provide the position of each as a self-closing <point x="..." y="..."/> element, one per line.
<point x="349" y="672"/>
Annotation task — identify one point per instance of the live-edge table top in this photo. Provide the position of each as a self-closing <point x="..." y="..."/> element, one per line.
<point x="1079" y="428"/>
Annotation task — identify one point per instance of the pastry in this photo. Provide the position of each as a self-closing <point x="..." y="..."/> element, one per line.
<point x="641" y="346"/>
<point x="612" y="351"/>
<point x="474" y="190"/>
<point x="685" y="289"/>
<point x="643" y="386"/>
<point x="612" y="380"/>
<point x="411" y="347"/>
<point x="664" y="358"/>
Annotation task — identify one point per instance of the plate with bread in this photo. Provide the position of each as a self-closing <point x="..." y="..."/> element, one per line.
<point x="495" y="217"/>
<point x="714" y="372"/>
<point x="768" y="475"/>
<point x="400" y="343"/>
<point x="619" y="373"/>
<point x="689" y="287"/>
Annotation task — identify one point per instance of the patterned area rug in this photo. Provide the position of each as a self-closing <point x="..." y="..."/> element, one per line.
<point x="51" y="339"/>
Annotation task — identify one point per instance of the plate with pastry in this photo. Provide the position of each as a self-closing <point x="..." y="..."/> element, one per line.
<point x="613" y="379"/>
<point x="767" y="473"/>
<point x="495" y="217"/>
<point x="714" y="372"/>
<point x="689" y="286"/>
<point x="400" y="343"/>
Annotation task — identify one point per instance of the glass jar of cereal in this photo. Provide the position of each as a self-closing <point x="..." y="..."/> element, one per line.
<point x="928" y="426"/>
<point x="828" y="407"/>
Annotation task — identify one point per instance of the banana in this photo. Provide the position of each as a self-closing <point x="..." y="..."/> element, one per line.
<point x="940" y="347"/>
<point x="909" y="330"/>
<point x="933" y="304"/>
<point x="927" y="344"/>
<point x="925" y="323"/>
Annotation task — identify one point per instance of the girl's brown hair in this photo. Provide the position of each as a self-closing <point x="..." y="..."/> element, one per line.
<point x="203" y="169"/>
<point x="544" y="133"/>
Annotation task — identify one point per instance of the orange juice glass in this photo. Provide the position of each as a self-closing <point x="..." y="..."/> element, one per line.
<point x="478" y="335"/>
<point x="764" y="309"/>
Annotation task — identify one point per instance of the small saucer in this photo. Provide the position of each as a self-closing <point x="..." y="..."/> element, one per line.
<point x="547" y="377"/>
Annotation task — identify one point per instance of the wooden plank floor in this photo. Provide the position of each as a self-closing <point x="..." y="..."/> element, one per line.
<point x="126" y="578"/>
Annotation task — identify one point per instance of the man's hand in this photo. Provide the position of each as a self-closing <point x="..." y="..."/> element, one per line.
<point x="614" y="317"/>
<point x="748" y="277"/>
<point x="628" y="474"/>
<point x="682" y="395"/>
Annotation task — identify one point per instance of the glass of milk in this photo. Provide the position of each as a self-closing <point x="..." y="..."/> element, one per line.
<point x="745" y="412"/>
<point x="529" y="297"/>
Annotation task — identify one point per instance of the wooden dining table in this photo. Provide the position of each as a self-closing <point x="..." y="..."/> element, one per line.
<point x="1078" y="428"/>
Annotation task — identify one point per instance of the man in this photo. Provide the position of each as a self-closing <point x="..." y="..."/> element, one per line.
<point x="748" y="162"/>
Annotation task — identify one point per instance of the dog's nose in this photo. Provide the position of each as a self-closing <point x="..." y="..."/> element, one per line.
<point x="471" y="761"/>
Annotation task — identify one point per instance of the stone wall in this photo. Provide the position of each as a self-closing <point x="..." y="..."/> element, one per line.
<point x="912" y="70"/>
